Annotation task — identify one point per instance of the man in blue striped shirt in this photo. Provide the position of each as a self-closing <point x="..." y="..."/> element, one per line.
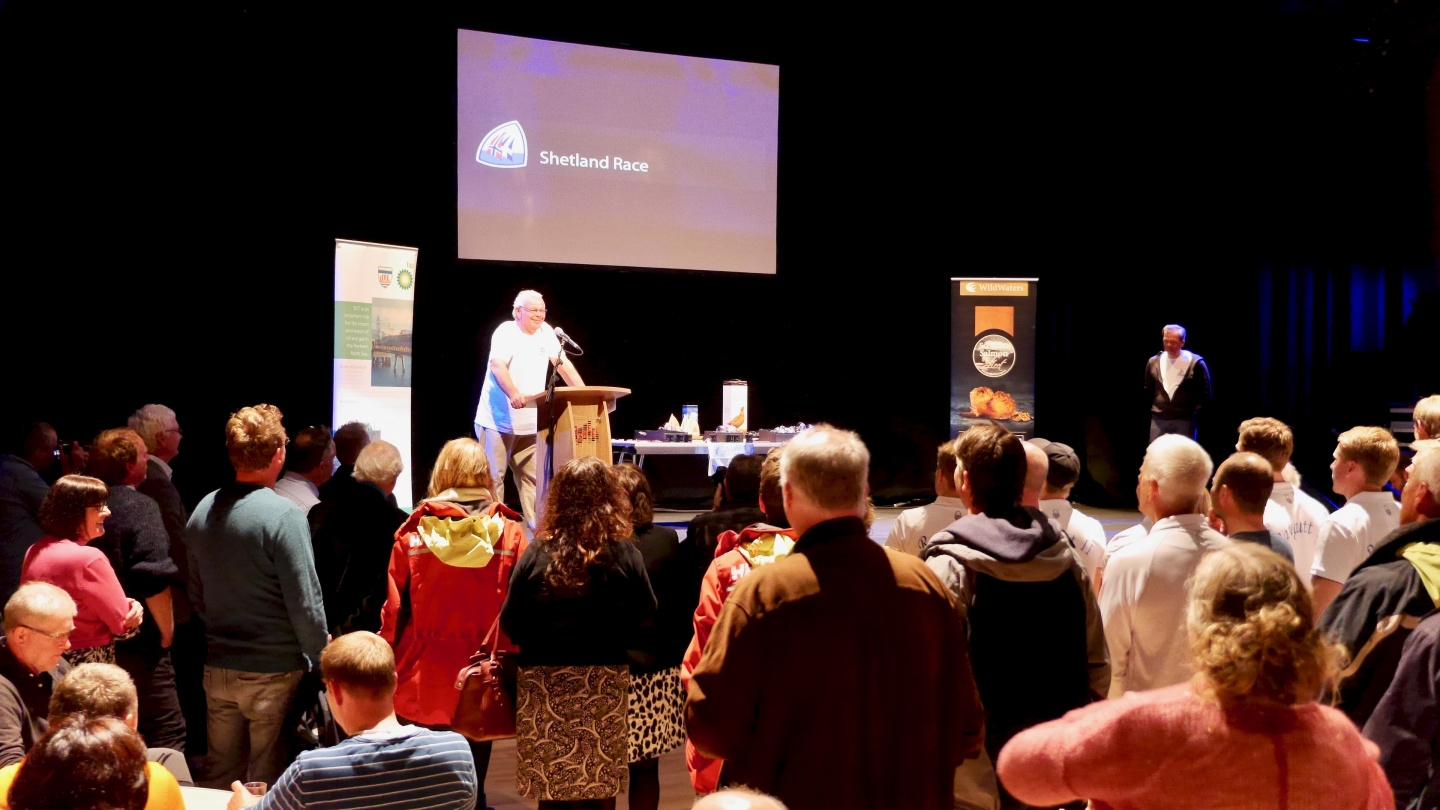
<point x="385" y="764"/>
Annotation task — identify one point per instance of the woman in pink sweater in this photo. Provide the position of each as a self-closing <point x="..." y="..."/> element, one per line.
<point x="1245" y="733"/>
<point x="73" y="514"/>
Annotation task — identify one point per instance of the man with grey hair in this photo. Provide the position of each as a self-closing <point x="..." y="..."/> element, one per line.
<point x="834" y="607"/>
<point x="1178" y="384"/>
<point x="39" y="619"/>
<point x="352" y="536"/>
<point x="521" y="351"/>
<point x="161" y="433"/>
<point x="1142" y="602"/>
<point x="737" y="800"/>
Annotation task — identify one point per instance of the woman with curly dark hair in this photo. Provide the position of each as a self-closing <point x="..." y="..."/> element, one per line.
<point x="1245" y="732"/>
<point x="577" y="597"/>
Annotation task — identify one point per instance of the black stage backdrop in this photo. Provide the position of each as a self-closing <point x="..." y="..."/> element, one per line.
<point x="175" y="178"/>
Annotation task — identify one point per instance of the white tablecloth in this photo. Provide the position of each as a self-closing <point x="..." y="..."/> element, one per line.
<point x="198" y="798"/>
<point x="718" y="454"/>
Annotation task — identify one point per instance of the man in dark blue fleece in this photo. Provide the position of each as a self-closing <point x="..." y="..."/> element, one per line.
<point x="253" y="582"/>
<point x="1038" y="648"/>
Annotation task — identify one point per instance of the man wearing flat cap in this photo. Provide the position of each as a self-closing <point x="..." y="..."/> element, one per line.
<point x="1086" y="535"/>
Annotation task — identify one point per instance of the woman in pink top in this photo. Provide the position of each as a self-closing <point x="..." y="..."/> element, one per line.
<point x="1246" y="732"/>
<point x="75" y="508"/>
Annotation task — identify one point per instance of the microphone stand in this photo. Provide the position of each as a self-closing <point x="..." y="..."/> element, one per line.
<point x="552" y="378"/>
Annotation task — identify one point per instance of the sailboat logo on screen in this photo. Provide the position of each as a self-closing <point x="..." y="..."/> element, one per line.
<point x="503" y="147"/>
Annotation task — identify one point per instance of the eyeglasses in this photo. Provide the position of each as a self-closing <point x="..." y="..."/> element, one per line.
<point x="65" y="636"/>
<point x="531" y="309"/>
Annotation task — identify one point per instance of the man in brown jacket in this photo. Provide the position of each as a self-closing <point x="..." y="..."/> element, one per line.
<point x="838" y="677"/>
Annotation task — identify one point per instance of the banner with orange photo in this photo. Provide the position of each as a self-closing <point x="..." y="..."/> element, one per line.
<point x="992" y="354"/>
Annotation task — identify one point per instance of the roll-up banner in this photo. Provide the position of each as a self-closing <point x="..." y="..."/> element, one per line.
<point x="992" y="354"/>
<point x="374" y="324"/>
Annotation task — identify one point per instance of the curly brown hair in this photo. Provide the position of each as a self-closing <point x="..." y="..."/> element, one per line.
<point x="1252" y="630"/>
<point x="253" y="436"/>
<point x="586" y="513"/>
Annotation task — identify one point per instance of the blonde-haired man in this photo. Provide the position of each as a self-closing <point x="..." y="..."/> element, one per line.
<point x="840" y="604"/>
<point x="1290" y="513"/>
<point x="915" y="526"/>
<point x="1427" y="418"/>
<point x="383" y="763"/>
<point x="1364" y="459"/>
<point x="253" y="582"/>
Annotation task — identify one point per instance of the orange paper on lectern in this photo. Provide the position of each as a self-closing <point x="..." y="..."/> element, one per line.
<point x="1002" y="318"/>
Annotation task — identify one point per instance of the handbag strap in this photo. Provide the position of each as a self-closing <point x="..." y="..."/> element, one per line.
<point x="491" y="638"/>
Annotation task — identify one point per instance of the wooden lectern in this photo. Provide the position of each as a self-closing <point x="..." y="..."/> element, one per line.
<point x="581" y="416"/>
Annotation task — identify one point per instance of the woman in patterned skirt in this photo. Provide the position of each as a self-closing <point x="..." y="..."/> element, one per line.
<point x="657" y="698"/>
<point x="72" y="514"/>
<point x="577" y="597"/>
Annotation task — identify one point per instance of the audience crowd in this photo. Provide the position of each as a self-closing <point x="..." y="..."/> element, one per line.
<point x="1244" y="645"/>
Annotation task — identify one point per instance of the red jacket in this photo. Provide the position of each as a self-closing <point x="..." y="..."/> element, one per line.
<point x="735" y="554"/>
<point x="449" y="572"/>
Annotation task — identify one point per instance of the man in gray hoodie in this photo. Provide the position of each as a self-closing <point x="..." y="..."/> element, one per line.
<point x="1038" y="647"/>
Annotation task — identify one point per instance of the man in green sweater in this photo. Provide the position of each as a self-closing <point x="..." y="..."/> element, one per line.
<point x="253" y="583"/>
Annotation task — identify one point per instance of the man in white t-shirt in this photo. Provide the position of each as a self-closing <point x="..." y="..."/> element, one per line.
<point x="915" y="526"/>
<point x="521" y="352"/>
<point x="1143" y="599"/>
<point x="1364" y="459"/>
<point x="1290" y="513"/>
<point x="1086" y="535"/>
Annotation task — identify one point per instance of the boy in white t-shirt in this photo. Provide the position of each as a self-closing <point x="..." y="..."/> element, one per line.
<point x="1364" y="459"/>
<point x="1290" y="513"/>
<point x="915" y="526"/>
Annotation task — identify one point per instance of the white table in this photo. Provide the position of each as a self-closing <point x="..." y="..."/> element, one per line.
<point x="198" y="798"/>
<point x="718" y="453"/>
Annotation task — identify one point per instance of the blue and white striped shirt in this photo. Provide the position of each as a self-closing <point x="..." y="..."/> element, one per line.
<point x="394" y="769"/>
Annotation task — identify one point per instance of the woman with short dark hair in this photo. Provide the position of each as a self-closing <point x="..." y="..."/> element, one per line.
<point x="576" y="599"/>
<point x="96" y="764"/>
<point x="73" y="514"/>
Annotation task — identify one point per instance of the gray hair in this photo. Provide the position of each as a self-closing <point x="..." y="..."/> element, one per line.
<point x="1173" y="327"/>
<point x="35" y="602"/>
<point x="379" y="463"/>
<point x="1180" y="467"/>
<point x="150" y="421"/>
<point x="525" y="295"/>
<point x="1425" y="467"/>
<point x="829" y="465"/>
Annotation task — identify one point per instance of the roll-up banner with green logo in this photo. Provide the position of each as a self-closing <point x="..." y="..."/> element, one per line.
<point x="374" y="326"/>
<point x="992" y="354"/>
